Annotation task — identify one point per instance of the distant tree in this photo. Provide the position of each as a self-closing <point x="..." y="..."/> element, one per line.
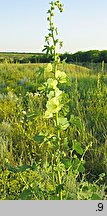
<point x="103" y="56"/>
<point x="67" y="57"/>
<point x="87" y="56"/>
<point x="77" y="57"/>
<point x="95" y="56"/>
<point x="33" y="59"/>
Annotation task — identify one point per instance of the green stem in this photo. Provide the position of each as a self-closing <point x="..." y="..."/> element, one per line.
<point x="52" y="50"/>
<point x="53" y="177"/>
<point x="58" y="137"/>
<point x="81" y="160"/>
<point x="59" y="180"/>
<point x="58" y="132"/>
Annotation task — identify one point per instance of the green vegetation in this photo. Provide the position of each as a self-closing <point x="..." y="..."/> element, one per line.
<point x="53" y="128"/>
<point x="91" y="58"/>
<point x="23" y="58"/>
<point x="23" y="149"/>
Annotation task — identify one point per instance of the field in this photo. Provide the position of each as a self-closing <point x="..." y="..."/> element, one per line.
<point x="53" y="123"/>
<point x="31" y="166"/>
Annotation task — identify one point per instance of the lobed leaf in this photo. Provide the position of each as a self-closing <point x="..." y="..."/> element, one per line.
<point x="81" y="168"/>
<point x="63" y="123"/>
<point x="75" y="120"/>
<point x="38" y="138"/>
<point x="77" y="147"/>
<point x="96" y="197"/>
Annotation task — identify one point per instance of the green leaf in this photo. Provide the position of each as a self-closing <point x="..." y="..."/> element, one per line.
<point x="38" y="138"/>
<point x="23" y="168"/>
<point x="63" y="123"/>
<point x="75" y="163"/>
<point x="32" y="115"/>
<point x="18" y="169"/>
<point x="96" y="197"/>
<point x="76" y="121"/>
<point x="67" y="163"/>
<point x="42" y="88"/>
<point x="81" y="169"/>
<point x="34" y="166"/>
<point x="65" y="143"/>
<point x="12" y="169"/>
<point x="59" y="188"/>
<point x="77" y="147"/>
<point x="26" y="195"/>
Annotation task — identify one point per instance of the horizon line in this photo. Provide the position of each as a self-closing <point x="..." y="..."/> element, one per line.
<point x="28" y="52"/>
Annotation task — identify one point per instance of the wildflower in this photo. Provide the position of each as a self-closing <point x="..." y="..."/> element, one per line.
<point x="24" y="112"/>
<point x="52" y="83"/>
<point x="60" y="76"/>
<point x="53" y="106"/>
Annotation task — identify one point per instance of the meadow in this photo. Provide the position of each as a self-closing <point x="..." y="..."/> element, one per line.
<point x="27" y="157"/>
<point x="53" y="128"/>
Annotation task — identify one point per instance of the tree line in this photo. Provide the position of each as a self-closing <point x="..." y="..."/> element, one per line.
<point x="91" y="56"/>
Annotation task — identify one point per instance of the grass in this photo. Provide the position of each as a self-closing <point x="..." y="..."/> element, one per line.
<point x="21" y="110"/>
<point x="53" y="128"/>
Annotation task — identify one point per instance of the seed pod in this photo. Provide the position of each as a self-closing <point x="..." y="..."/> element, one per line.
<point x="49" y="18"/>
<point x="52" y="14"/>
<point x="53" y="7"/>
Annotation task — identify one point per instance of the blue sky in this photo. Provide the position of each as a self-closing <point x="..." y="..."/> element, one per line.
<point x="82" y="25"/>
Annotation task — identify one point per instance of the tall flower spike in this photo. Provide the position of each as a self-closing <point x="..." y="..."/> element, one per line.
<point x="51" y="40"/>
